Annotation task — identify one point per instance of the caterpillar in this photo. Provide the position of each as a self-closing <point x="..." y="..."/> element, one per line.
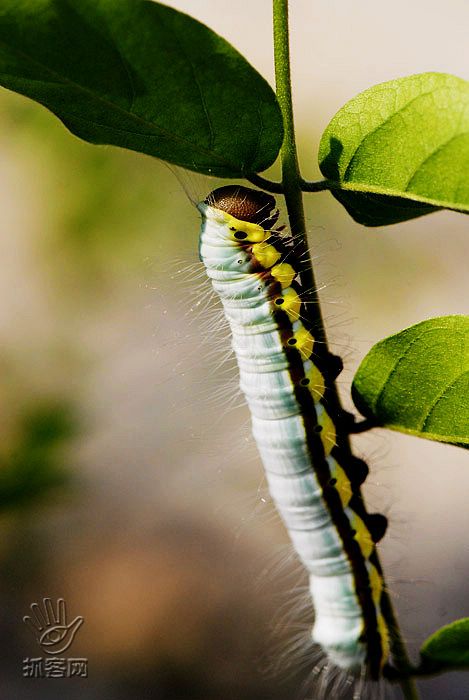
<point x="300" y="430"/>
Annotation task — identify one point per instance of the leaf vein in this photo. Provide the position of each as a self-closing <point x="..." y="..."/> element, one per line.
<point x="431" y="155"/>
<point x="383" y="124"/>
<point x="155" y="127"/>
<point x="180" y="44"/>
<point x="440" y="397"/>
<point x="400" y="359"/>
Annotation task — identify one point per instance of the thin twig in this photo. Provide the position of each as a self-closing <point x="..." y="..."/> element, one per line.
<point x="264" y="184"/>
<point x="310" y="186"/>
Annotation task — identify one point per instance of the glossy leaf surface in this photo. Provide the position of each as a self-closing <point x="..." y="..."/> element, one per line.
<point x="400" y="149"/>
<point x="448" y="648"/>
<point x="417" y="381"/>
<point x="143" y="76"/>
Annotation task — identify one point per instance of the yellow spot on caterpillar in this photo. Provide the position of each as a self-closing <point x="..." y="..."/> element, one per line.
<point x="342" y="485"/>
<point x="303" y="342"/>
<point x="316" y="383"/>
<point x="362" y="536"/>
<point x="290" y="302"/>
<point x="283" y="273"/>
<point x="254" y="232"/>
<point x="328" y="434"/>
<point x="384" y="634"/>
<point x="265" y="254"/>
<point x="376" y="583"/>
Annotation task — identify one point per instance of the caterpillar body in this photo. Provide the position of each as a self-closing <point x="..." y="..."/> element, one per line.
<point x="300" y="431"/>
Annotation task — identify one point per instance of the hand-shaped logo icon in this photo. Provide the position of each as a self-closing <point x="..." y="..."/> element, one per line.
<point x="50" y="626"/>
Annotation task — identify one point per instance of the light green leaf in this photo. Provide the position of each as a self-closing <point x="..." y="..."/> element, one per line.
<point x="400" y="149"/>
<point x="448" y="647"/>
<point x="143" y="76"/>
<point x="417" y="381"/>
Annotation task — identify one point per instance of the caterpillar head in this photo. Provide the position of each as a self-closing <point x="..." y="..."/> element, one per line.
<point x="245" y="204"/>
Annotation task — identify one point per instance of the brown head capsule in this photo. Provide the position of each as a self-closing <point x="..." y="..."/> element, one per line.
<point x="245" y="204"/>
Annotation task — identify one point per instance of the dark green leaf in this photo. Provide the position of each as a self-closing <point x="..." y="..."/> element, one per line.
<point x="417" y="381"/>
<point x="448" y="647"/>
<point x="400" y="149"/>
<point x="143" y="76"/>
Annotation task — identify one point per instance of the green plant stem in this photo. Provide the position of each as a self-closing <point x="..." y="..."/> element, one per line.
<point x="292" y="186"/>
<point x="264" y="184"/>
<point x="319" y="186"/>
<point x="291" y="177"/>
<point x="402" y="663"/>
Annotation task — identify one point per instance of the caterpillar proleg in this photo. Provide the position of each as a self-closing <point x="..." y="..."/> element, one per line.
<point x="300" y="431"/>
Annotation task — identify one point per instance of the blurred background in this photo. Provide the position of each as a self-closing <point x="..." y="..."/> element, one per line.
<point x="129" y="483"/>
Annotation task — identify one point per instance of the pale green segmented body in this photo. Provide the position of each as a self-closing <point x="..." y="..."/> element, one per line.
<point x="280" y="381"/>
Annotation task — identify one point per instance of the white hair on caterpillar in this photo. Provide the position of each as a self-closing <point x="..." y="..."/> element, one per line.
<point x="206" y="317"/>
<point x="291" y="653"/>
